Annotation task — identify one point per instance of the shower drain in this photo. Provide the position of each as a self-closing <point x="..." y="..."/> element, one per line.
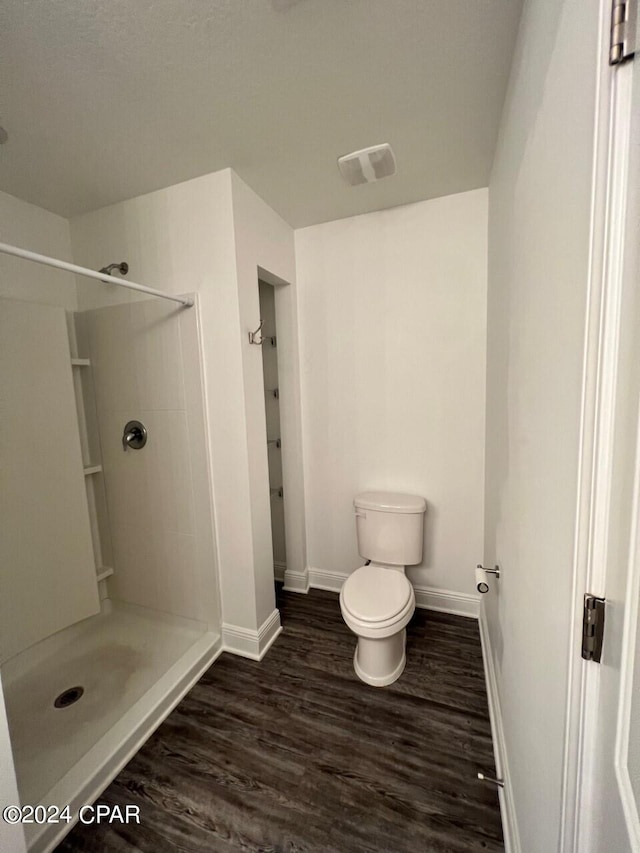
<point x="68" y="697"/>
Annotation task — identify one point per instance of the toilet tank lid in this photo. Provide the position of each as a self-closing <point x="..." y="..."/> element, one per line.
<point x="389" y="502"/>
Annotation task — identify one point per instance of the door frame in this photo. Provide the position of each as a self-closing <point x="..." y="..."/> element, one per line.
<point x="597" y="424"/>
<point x="296" y="575"/>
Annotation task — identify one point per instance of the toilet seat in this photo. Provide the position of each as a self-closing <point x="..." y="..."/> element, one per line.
<point x="377" y="602"/>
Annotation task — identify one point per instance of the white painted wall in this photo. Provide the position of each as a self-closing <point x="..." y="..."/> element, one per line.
<point x="30" y="227"/>
<point x="539" y="207"/>
<point x="392" y="338"/>
<point x="264" y="242"/>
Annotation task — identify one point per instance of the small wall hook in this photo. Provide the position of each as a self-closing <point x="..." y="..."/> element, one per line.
<point x="253" y="336"/>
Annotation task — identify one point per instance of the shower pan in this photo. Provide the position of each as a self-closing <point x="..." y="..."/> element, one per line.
<point x="110" y="610"/>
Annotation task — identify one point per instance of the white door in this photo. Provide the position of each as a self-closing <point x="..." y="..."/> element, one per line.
<point x="609" y="784"/>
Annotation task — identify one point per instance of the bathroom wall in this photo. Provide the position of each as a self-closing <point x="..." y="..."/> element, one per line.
<point x="539" y="208"/>
<point x="392" y="339"/>
<point x="264" y="246"/>
<point x="31" y="227"/>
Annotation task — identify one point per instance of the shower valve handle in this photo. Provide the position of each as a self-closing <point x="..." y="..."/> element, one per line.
<point x="134" y="436"/>
<point x="129" y="437"/>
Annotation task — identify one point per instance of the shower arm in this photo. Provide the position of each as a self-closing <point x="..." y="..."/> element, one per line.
<point x="25" y="254"/>
<point x="122" y="267"/>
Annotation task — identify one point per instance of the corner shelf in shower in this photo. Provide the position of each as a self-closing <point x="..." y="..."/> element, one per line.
<point x="92" y="469"/>
<point x="103" y="573"/>
<point x="81" y="362"/>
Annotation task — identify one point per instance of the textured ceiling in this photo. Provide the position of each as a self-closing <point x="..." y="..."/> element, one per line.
<point x="107" y="99"/>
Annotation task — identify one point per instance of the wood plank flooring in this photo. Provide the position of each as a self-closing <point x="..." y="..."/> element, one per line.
<point x="296" y="754"/>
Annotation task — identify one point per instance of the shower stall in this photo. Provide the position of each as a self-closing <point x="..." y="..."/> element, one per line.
<point x="109" y="605"/>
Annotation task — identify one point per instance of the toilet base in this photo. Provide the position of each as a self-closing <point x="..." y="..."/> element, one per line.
<point x="380" y="662"/>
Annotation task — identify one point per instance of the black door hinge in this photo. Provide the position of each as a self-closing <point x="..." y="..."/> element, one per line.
<point x="593" y="628"/>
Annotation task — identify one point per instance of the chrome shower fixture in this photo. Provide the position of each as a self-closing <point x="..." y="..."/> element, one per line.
<point x="122" y="267"/>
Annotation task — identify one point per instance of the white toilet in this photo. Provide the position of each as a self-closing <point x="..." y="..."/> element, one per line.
<point x="377" y="600"/>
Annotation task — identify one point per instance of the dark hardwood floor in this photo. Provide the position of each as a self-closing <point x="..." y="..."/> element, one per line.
<point x="296" y="754"/>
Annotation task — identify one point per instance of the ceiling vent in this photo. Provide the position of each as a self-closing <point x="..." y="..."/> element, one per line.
<point x="369" y="164"/>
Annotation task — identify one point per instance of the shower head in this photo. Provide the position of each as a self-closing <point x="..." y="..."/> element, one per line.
<point x="122" y="267"/>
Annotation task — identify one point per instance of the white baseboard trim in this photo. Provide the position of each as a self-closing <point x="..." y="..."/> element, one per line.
<point x="268" y="632"/>
<point x="332" y="581"/>
<point x="248" y="643"/>
<point x="505" y="795"/>
<point x="447" y="601"/>
<point x="296" y="581"/>
<point x="278" y="571"/>
<point x="444" y="600"/>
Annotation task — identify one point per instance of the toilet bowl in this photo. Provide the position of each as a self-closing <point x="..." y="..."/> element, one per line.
<point x="377" y="600"/>
<point x="377" y="604"/>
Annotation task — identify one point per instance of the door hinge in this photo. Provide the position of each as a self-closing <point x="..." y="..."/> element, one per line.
<point x="593" y="628"/>
<point x="623" y="30"/>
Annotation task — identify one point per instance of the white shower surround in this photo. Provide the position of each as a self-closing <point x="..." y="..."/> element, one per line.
<point x="27" y="226"/>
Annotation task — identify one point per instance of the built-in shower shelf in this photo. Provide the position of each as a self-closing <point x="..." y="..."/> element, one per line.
<point x="81" y="362"/>
<point x="103" y="573"/>
<point x="92" y="469"/>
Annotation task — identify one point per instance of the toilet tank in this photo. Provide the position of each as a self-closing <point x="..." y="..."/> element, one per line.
<point x="389" y="527"/>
